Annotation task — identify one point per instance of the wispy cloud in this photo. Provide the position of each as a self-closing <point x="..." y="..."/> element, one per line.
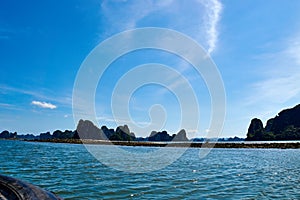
<point x="281" y="78"/>
<point x="65" y="100"/>
<point x="44" y="104"/>
<point x="277" y="90"/>
<point x="175" y="82"/>
<point x="8" y="106"/>
<point x="5" y="105"/>
<point x="198" y="19"/>
<point x="5" y="34"/>
<point x="122" y="121"/>
<point x="279" y="85"/>
<point x="293" y="50"/>
<point x="124" y="15"/>
<point x="214" y="9"/>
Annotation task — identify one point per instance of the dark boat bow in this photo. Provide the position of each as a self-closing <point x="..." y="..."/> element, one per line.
<point x="14" y="189"/>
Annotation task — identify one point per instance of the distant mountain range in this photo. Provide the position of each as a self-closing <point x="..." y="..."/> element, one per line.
<point x="87" y="130"/>
<point x="284" y="126"/>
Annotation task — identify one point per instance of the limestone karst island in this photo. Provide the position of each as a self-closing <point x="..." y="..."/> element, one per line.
<point x="283" y="127"/>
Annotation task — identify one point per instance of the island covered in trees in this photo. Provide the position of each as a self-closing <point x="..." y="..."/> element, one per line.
<point x="284" y="126"/>
<point x="87" y="130"/>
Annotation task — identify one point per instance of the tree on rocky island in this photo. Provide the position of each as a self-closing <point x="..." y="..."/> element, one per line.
<point x="160" y="136"/>
<point x="87" y="130"/>
<point x="108" y="132"/>
<point x="67" y="134"/>
<point x="165" y="137"/>
<point x="181" y="136"/>
<point x="284" y="126"/>
<point x="7" y="135"/>
<point x="123" y="133"/>
<point x="255" y="130"/>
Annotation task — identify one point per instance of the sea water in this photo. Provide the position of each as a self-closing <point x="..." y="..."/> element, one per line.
<point x="72" y="172"/>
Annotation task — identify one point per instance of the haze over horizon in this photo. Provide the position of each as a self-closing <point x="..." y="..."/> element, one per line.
<point x="255" y="45"/>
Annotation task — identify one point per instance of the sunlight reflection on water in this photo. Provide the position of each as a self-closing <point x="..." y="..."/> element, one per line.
<point x="71" y="172"/>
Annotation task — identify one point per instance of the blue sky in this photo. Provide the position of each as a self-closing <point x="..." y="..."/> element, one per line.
<point x="255" y="45"/>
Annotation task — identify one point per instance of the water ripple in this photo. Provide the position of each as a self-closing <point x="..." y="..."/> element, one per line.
<point x="71" y="172"/>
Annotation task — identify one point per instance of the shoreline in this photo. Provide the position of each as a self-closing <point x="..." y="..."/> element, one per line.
<point x="267" y="145"/>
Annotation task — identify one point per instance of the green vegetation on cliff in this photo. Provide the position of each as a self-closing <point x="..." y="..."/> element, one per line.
<point x="87" y="130"/>
<point x="285" y="126"/>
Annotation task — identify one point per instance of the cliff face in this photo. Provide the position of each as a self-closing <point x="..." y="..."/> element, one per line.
<point x="285" y="126"/>
<point x="164" y="136"/>
<point x="286" y="120"/>
<point x="87" y="130"/>
<point x="160" y="136"/>
<point x="255" y="130"/>
<point x="123" y="133"/>
<point x="181" y="136"/>
<point x="7" y="135"/>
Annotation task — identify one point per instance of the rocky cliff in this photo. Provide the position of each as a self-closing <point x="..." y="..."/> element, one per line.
<point x="284" y="126"/>
<point x="164" y="136"/>
<point x="87" y="130"/>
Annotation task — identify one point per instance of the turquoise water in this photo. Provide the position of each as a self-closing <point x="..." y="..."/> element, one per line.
<point x="72" y="173"/>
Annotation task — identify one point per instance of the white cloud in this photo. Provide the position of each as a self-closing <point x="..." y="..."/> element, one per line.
<point x="50" y="96"/>
<point x="6" y="105"/>
<point x="281" y="75"/>
<point x="278" y="87"/>
<point x="122" y="121"/>
<point x="43" y="104"/>
<point x="293" y="51"/>
<point x="214" y="9"/>
<point x="6" y="33"/>
<point x="198" y="19"/>
<point x="10" y="106"/>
